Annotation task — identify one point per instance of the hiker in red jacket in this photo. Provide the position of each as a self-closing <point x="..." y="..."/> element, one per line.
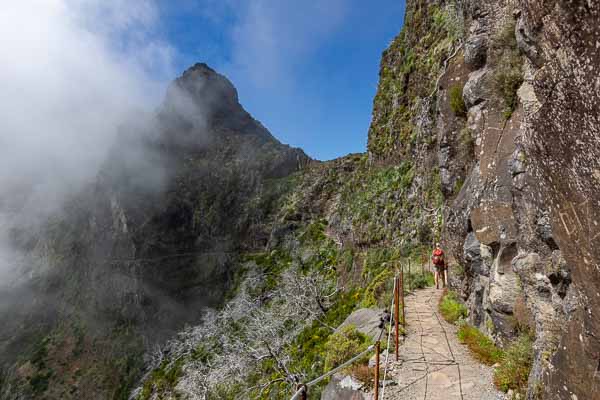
<point x="437" y="257"/>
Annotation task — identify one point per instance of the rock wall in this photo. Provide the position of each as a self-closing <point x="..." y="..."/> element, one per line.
<point x="513" y="122"/>
<point x="562" y="92"/>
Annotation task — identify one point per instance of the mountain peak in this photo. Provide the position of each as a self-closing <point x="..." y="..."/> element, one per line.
<point x="205" y="87"/>
<point x="201" y="80"/>
<point x="201" y="66"/>
<point x="201" y="100"/>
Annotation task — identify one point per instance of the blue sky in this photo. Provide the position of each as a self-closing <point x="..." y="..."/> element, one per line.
<point x="306" y="69"/>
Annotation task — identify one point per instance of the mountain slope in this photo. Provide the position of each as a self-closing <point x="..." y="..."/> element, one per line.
<point x="145" y="248"/>
<point x="477" y="107"/>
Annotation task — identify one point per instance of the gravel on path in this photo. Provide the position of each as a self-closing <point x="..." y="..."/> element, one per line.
<point x="433" y="364"/>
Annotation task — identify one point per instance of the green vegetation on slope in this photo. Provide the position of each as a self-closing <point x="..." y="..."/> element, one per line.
<point x="457" y="104"/>
<point x="514" y="362"/>
<point x="161" y="380"/>
<point x="374" y="194"/>
<point x="480" y="344"/>
<point x="409" y="70"/>
<point x="507" y="63"/>
<point x="374" y="200"/>
<point x="515" y="366"/>
<point x="345" y="344"/>
<point x="451" y="308"/>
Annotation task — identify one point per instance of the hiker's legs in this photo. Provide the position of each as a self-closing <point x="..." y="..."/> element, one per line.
<point x="436" y="278"/>
<point x="443" y="278"/>
<point x="446" y="276"/>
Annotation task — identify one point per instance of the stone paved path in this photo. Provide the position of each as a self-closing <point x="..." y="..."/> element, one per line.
<point x="433" y="364"/>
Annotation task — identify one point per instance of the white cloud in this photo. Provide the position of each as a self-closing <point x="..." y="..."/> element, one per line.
<point x="67" y="82"/>
<point x="71" y="72"/>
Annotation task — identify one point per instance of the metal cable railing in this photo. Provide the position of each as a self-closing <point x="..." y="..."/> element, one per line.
<point x="302" y="391"/>
<point x="387" y="352"/>
<point x="303" y="387"/>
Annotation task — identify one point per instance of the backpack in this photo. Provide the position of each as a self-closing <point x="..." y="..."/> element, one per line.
<point x="438" y="257"/>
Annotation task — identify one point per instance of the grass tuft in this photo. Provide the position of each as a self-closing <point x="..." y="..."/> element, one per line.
<point x="420" y="280"/>
<point x="515" y="366"/>
<point x="344" y="345"/>
<point x="457" y="104"/>
<point x="451" y="308"/>
<point x="480" y="345"/>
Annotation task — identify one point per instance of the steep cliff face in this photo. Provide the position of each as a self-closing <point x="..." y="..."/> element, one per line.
<point x="514" y="127"/>
<point x="144" y="249"/>
<point x="562" y="133"/>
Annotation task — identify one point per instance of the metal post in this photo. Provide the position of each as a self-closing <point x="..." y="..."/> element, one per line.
<point x="402" y="297"/>
<point x="303" y="394"/>
<point x="429" y="262"/>
<point x="409" y="278"/>
<point x="377" y="370"/>
<point x="397" y="314"/>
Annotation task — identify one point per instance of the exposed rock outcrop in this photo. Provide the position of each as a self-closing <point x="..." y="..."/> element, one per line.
<point x="368" y="321"/>
<point x="520" y="211"/>
<point x="343" y="387"/>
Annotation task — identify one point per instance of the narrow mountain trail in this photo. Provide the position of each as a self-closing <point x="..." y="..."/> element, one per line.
<point x="433" y="364"/>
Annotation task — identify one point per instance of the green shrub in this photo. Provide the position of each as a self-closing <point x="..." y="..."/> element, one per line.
<point x="515" y="366"/>
<point x="40" y="381"/>
<point x="379" y="291"/>
<point x="314" y="232"/>
<point x="344" y="345"/>
<point x="451" y="308"/>
<point x="457" y="104"/>
<point x="507" y="80"/>
<point x="508" y="75"/>
<point x="421" y="281"/>
<point x="162" y="380"/>
<point x="272" y="264"/>
<point x="480" y="345"/>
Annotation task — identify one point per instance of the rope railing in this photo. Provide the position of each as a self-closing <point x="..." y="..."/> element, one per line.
<point x="321" y="378"/>
<point x="302" y="390"/>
